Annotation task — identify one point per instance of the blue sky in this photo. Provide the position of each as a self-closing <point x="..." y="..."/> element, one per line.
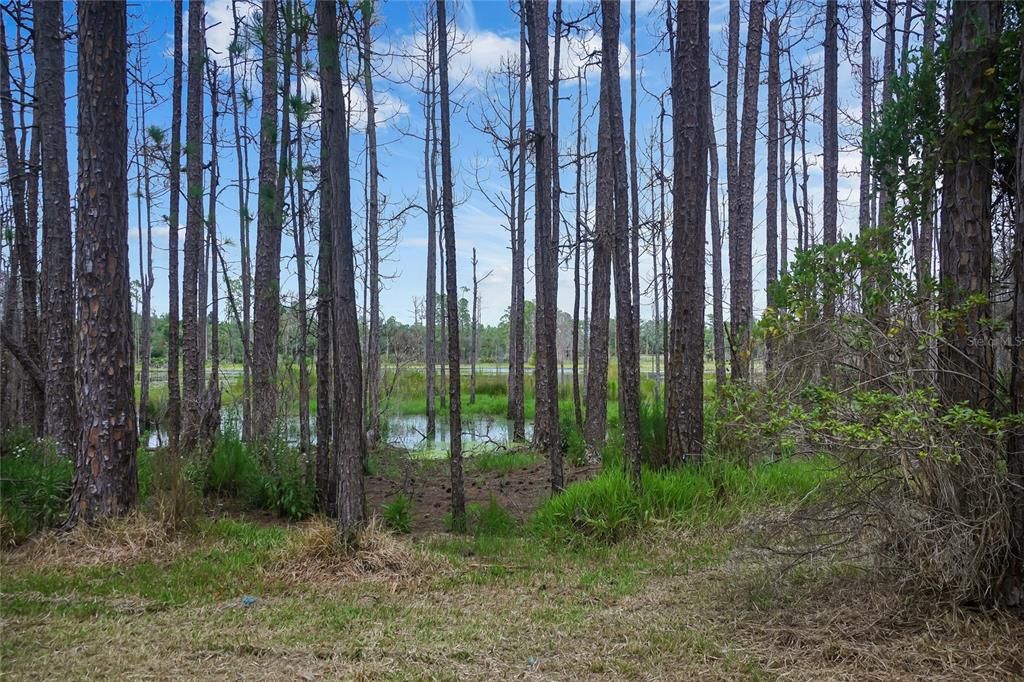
<point x="487" y="32"/>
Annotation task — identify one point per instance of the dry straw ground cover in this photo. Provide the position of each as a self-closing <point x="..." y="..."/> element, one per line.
<point x="126" y="602"/>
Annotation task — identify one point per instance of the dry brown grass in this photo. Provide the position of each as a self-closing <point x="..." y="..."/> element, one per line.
<point x="315" y="554"/>
<point x="122" y="541"/>
<point x="676" y="605"/>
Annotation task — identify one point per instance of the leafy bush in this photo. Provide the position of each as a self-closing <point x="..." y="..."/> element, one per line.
<point x="277" y="481"/>
<point x="284" y="486"/>
<point x="398" y="514"/>
<point x="35" y="486"/>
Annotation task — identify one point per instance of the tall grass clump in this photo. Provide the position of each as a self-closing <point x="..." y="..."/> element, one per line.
<point x="606" y="510"/>
<point x="574" y="446"/>
<point x="231" y="469"/>
<point x="35" y="486"/>
<point x="397" y="514"/>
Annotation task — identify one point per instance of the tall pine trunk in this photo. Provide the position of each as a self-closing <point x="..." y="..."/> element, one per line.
<point x="741" y="221"/>
<point x="545" y="427"/>
<point x="348" y="438"/>
<point x="24" y="247"/>
<point x="772" y="188"/>
<point x="517" y="345"/>
<point x="245" y="221"/>
<point x="691" y="95"/>
<point x="458" y="509"/>
<point x="965" y="237"/>
<point x="195" y="234"/>
<point x="60" y="421"/>
<point x="106" y="482"/>
<point x="268" y="243"/>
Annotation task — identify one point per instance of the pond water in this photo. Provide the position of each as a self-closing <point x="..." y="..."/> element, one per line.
<point x="404" y="431"/>
<point x="409" y="431"/>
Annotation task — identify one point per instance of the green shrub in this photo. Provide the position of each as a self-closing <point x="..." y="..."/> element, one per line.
<point x="35" y="486"/>
<point x="284" y="486"/>
<point x="398" y="514"/>
<point x="231" y="469"/>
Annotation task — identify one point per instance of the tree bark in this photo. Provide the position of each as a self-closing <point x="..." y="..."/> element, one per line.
<point x="741" y="224"/>
<point x="24" y="247"/>
<point x="458" y="509"/>
<point x="268" y="243"/>
<point x="106" y="482"/>
<point x="60" y="421"/>
<point x="830" y="131"/>
<point x="580" y="233"/>
<point x="325" y="466"/>
<point x="691" y="105"/>
<point x="634" y="179"/>
<point x="965" y="238"/>
<point x="194" y="232"/>
<point x="430" y="196"/>
<point x="373" y="229"/>
<point x="300" y="245"/>
<point x="596" y="423"/>
<point x="1013" y="588"/>
<point x="772" y="188"/>
<point x="245" y="220"/>
<point x="866" y="99"/>
<point x="626" y="351"/>
<point x="348" y="437"/>
<point x="517" y="321"/>
<point x="545" y="426"/>
<point x="210" y="409"/>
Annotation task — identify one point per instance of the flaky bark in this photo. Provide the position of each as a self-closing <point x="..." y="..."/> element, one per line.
<point x="965" y="237"/>
<point x="626" y="351"/>
<point x="173" y="211"/>
<point x="546" y="427"/>
<point x="106" y="482"/>
<point x="348" y="438"/>
<point x="691" y="98"/>
<point x="741" y="222"/>
<point x="268" y="243"/>
<point x="61" y="409"/>
<point x="194" y="232"/>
